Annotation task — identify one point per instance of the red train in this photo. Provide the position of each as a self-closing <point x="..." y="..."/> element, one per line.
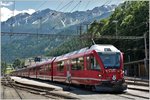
<point x="99" y="67"/>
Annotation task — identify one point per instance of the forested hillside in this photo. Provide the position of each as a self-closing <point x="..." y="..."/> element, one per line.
<point x="129" y="19"/>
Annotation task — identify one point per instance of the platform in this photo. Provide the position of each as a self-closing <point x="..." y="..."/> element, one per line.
<point x="36" y="83"/>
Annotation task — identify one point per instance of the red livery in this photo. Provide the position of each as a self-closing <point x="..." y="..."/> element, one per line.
<point x="99" y="67"/>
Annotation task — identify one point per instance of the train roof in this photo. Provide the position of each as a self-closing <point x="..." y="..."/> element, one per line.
<point x="96" y="47"/>
<point x="66" y="56"/>
<point x="104" y="48"/>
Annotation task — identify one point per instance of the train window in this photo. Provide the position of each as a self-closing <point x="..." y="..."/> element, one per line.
<point x="77" y="64"/>
<point x="46" y="69"/>
<point x="60" y="66"/>
<point x="92" y="63"/>
<point x="80" y="63"/>
<point x="68" y="65"/>
<point x="41" y="70"/>
<point x="34" y="70"/>
<point x="74" y="64"/>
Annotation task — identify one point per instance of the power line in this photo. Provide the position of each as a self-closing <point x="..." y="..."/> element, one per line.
<point x="41" y="5"/>
<point x="87" y="4"/>
<point x="67" y="8"/>
<point x="75" y="6"/>
<point x="107" y="2"/>
<point x="59" y="5"/>
<point x="69" y="3"/>
<point x="80" y="36"/>
<point x="141" y="24"/>
<point x="65" y="5"/>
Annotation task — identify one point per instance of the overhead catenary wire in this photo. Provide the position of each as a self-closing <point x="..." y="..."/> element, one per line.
<point x="107" y="2"/>
<point x="65" y="5"/>
<point x="66" y="9"/>
<point x="52" y="13"/>
<point x="59" y="5"/>
<point x="41" y="5"/>
<point x="76" y="6"/>
<point x="84" y="36"/>
<point x="87" y="4"/>
<point x="141" y="24"/>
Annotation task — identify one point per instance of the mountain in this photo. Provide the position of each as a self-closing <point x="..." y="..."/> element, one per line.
<point x="44" y="21"/>
<point x="48" y="21"/>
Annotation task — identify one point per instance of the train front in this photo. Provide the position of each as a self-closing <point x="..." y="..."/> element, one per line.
<point x="111" y="63"/>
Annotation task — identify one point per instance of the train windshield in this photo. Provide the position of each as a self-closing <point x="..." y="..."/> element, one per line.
<point x="110" y="60"/>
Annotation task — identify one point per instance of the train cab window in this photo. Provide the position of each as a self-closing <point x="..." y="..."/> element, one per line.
<point x="92" y="63"/>
<point x="77" y="63"/>
<point x="60" y="66"/>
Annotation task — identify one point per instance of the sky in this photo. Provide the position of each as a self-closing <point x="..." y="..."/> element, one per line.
<point x="30" y="6"/>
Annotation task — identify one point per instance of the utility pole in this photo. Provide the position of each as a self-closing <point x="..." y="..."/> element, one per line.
<point x="87" y="27"/>
<point x="40" y="26"/>
<point x="115" y="21"/>
<point x="80" y="29"/>
<point x="145" y="43"/>
<point x="146" y="56"/>
<point x="12" y="20"/>
<point x="77" y="29"/>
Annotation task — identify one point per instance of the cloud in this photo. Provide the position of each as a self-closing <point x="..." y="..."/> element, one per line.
<point x="7" y="13"/>
<point x="6" y="3"/>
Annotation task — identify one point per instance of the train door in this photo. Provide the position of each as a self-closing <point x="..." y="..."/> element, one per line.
<point x="93" y="69"/>
<point x="77" y="70"/>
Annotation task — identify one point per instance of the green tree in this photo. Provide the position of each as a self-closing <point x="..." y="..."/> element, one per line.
<point x="3" y="67"/>
<point x="17" y="63"/>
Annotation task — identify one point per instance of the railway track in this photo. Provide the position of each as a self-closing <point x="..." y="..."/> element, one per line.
<point x="6" y="82"/>
<point x="139" y="82"/>
<point x="47" y="92"/>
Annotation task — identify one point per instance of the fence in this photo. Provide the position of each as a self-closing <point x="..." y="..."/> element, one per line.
<point x="138" y="68"/>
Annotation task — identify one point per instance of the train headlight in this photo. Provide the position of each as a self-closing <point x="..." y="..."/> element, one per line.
<point x="100" y="75"/>
<point x="114" y="77"/>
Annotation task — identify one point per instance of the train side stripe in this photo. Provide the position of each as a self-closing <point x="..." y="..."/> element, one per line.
<point x="81" y="78"/>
